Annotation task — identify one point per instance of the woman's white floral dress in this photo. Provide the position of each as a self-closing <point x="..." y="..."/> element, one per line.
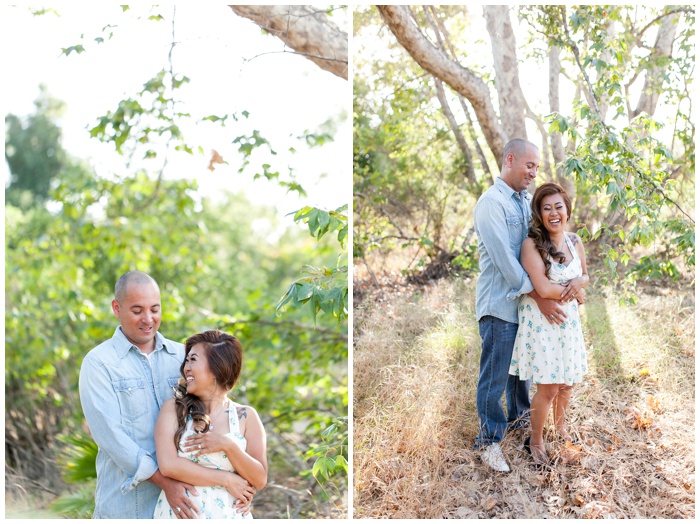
<point x="548" y="353"/>
<point x="214" y="502"/>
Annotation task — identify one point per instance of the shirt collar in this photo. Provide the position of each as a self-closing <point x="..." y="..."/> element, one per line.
<point x="509" y="191"/>
<point x="123" y="345"/>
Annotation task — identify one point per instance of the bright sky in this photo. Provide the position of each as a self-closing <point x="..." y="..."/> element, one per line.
<point x="233" y="68"/>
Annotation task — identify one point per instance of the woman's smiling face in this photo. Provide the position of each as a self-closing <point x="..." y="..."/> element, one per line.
<point x="554" y="213"/>
<point x="200" y="379"/>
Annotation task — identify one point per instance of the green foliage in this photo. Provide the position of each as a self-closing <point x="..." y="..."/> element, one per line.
<point x="324" y="289"/>
<point x="628" y="175"/>
<point x="58" y="308"/>
<point x="332" y="454"/>
<point x="409" y="183"/>
<point x="469" y="259"/>
<point x="34" y="153"/>
<point x="321" y="222"/>
<point x="630" y="166"/>
<point x="146" y="118"/>
<point x="77" y="505"/>
<point x="216" y="267"/>
<point x="78" y="457"/>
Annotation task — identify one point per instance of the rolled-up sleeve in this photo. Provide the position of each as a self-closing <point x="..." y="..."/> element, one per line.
<point x="490" y="220"/>
<point x="102" y="412"/>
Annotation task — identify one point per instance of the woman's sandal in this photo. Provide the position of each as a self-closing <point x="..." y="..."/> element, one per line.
<point x="572" y="438"/>
<point x="539" y="466"/>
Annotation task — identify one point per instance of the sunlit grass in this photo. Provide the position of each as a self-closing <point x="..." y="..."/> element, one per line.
<point x="416" y="363"/>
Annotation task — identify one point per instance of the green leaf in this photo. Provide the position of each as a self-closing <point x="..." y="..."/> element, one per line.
<point x="341" y="462"/>
<point x="323" y="467"/>
<point x="77" y="48"/>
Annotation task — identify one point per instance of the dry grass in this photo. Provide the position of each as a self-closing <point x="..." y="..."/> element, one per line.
<point x="416" y="359"/>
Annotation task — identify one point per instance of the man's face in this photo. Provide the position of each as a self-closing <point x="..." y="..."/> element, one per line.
<point x="139" y="314"/>
<point x="522" y="169"/>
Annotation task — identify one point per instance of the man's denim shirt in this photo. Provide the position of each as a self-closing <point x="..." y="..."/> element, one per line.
<point x="501" y="223"/>
<point x="121" y="395"/>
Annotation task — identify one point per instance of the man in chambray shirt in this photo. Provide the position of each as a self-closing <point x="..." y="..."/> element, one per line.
<point x="123" y="383"/>
<point x="501" y="220"/>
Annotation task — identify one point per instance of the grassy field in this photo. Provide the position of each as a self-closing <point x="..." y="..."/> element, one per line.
<point x="416" y="360"/>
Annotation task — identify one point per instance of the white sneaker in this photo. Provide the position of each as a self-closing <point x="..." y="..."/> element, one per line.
<point x="493" y="457"/>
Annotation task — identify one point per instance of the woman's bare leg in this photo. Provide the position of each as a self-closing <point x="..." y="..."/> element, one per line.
<point x="539" y="409"/>
<point x="559" y="406"/>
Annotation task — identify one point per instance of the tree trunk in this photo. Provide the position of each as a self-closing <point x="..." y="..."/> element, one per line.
<point x="511" y="101"/>
<point x="471" y="177"/>
<point x="555" y="136"/>
<point x="308" y="31"/>
<point x="606" y="56"/>
<point x="438" y="63"/>
<point x="654" y="75"/>
<point x="446" y="44"/>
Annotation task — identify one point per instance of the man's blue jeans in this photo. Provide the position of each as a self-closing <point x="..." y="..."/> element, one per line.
<point x="497" y="341"/>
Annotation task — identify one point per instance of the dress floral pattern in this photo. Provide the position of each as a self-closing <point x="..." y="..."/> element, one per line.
<point x="214" y="502"/>
<point x="547" y="353"/>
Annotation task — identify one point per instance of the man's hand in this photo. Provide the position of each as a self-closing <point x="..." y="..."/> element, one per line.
<point x="551" y="309"/>
<point x="176" y="493"/>
<point x="242" y="491"/>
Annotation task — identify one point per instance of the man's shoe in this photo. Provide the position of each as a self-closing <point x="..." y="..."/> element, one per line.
<point x="493" y="457"/>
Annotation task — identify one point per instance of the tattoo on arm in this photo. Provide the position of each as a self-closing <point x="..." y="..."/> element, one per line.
<point x="242" y="412"/>
<point x="574" y="239"/>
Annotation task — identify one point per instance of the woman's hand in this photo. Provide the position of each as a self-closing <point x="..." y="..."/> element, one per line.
<point x="203" y="443"/>
<point x="572" y="288"/>
<point x="241" y="490"/>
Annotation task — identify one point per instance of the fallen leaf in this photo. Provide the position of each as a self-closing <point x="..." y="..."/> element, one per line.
<point x="653" y="404"/>
<point x="489" y="504"/>
<point x="459" y="472"/>
<point x="570" y="453"/>
<point x="639" y="419"/>
<point x="578" y="499"/>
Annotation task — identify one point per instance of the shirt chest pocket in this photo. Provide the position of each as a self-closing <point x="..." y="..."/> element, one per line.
<point x="132" y="396"/>
<point x="517" y="231"/>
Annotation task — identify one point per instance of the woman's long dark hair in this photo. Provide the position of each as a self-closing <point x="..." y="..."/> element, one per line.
<point x="225" y="358"/>
<point x="538" y="232"/>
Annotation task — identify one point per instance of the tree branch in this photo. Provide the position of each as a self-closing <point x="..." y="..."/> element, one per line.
<point x="310" y="32"/>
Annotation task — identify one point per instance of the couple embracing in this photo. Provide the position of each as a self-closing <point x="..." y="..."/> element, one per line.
<point x="531" y="282"/>
<point x="171" y="444"/>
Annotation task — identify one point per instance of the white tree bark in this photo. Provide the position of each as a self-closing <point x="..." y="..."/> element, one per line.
<point x="555" y="140"/>
<point x="511" y="101"/>
<point x="606" y="56"/>
<point x="438" y="63"/>
<point x="308" y="31"/>
<point x="654" y="76"/>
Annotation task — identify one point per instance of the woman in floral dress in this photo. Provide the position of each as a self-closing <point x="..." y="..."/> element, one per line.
<point x="553" y="356"/>
<point x="205" y="439"/>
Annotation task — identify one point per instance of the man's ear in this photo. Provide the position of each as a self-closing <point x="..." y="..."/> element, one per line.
<point x="115" y="308"/>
